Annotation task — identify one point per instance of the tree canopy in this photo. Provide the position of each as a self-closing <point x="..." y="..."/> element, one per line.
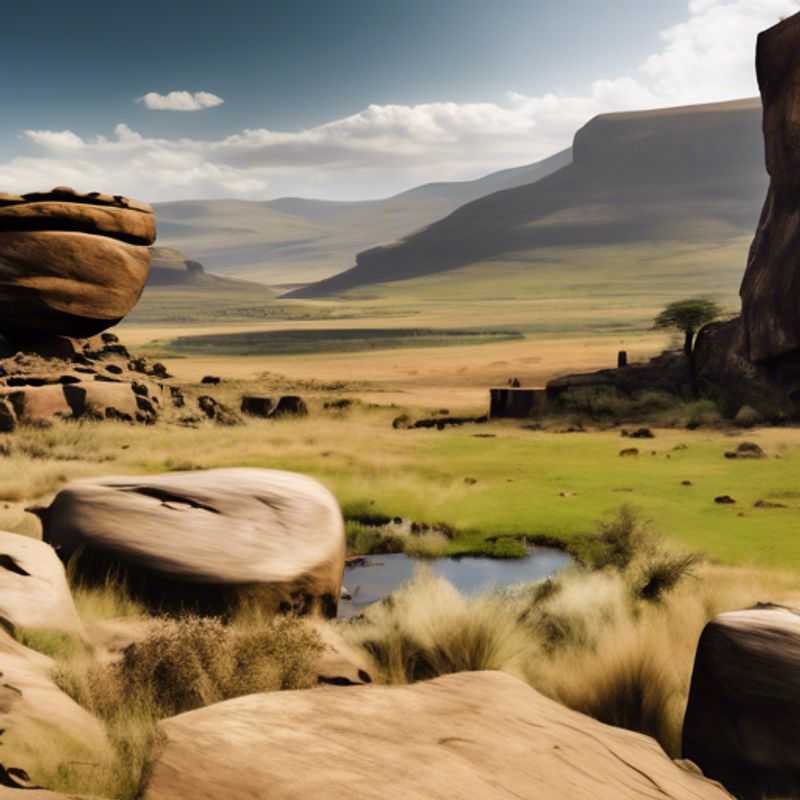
<point x="688" y="316"/>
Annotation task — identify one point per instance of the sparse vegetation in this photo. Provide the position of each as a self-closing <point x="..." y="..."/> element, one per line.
<point x="688" y="316"/>
<point x="181" y="664"/>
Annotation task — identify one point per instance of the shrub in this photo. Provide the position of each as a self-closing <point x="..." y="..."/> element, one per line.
<point x="621" y="538"/>
<point x="747" y="417"/>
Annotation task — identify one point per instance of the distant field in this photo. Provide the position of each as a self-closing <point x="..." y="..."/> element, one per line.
<point x="339" y="340"/>
<point x="517" y="481"/>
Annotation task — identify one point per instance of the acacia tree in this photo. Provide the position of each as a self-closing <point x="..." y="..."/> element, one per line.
<point x="688" y="316"/>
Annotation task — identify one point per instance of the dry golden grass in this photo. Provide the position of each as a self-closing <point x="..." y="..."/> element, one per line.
<point x="589" y="641"/>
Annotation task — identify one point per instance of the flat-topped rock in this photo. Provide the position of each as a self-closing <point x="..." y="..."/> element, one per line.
<point x="207" y="538"/>
<point x="70" y="264"/>
<point x="471" y="735"/>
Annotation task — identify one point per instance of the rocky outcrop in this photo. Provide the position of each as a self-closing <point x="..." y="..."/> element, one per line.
<point x="668" y="372"/>
<point x="726" y="375"/>
<point x="771" y="286"/>
<point x="743" y="718"/>
<point x="65" y="378"/>
<point x="70" y="264"/>
<point x="207" y="539"/>
<point x="33" y="586"/>
<point x="480" y="735"/>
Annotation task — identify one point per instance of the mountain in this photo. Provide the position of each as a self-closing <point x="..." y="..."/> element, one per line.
<point x="671" y="175"/>
<point x="297" y="240"/>
<point x="169" y="268"/>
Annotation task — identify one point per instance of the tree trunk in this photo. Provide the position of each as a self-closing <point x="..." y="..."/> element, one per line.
<point x="687" y="343"/>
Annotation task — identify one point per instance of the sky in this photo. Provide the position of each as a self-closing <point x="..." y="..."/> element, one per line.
<point x="341" y="99"/>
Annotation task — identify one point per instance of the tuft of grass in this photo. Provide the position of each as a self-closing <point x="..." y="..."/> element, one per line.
<point x="53" y="643"/>
<point x="182" y="664"/>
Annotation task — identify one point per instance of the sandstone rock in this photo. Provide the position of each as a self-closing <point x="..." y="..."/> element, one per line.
<point x="480" y="735"/>
<point x="104" y="401"/>
<point x="33" y="586"/>
<point x="8" y="417"/>
<point x="34" y="710"/>
<point x="341" y="664"/>
<point x="771" y="287"/>
<point x="207" y="538"/>
<point x="34" y="404"/>
<point x="743" y="718"/>
<point x="70" y="265"/>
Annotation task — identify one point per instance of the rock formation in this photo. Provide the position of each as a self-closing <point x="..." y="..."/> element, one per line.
<point x="33" y="586"/>
<point x="743" y="718"/>
<point x="476" y="735"/>
<point x="771" y="286"/>
<point x="752" y="360"/>
<point x="207" y="539"/>
<point x="70" y="264"/>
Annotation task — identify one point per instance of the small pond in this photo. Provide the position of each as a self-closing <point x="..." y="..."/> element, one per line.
<point x="384" y="574"/>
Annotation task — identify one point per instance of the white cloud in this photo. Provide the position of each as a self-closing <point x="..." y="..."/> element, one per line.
<point x="385" y="148"/>
<point x="180" y="101"/>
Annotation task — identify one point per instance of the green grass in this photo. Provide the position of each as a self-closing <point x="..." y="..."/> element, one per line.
<point x="339" y="340"/>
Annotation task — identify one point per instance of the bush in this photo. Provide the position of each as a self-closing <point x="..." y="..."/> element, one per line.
<point x="621" y="538"/>
<point x="181" y="665"/>
<point x="747" y="417"/>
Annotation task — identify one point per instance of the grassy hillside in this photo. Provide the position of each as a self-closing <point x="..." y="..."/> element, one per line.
<point x="295" y="240"/>
<point x="669" y="180"/>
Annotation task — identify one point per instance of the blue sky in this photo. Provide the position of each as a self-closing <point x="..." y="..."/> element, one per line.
<point x="346" y="99"/>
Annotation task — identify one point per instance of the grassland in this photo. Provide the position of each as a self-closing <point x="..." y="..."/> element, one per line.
<point x="519" y="481"/>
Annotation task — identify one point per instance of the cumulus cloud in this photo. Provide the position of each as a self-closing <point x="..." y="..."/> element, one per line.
<point x="385" y="148"/>
<point x="180" y="101"/>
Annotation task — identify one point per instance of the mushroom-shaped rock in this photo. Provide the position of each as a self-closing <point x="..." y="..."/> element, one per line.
<point x="743" y="718"/>
<point x="33" y="586"/>
<point x="70" y="264"/>
<point x="471" y="735"/>
<point x="771" y="286"/>
<point x="207" y="539"/>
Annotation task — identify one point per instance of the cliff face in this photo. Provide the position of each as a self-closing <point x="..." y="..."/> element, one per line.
<point x="771" y="286"/>
<point x="651" y="176"/>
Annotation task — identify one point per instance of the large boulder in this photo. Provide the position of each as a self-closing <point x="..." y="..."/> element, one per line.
<point x="480" y="735"/>
<point x="742" y="722"/>
<point x="208" y="539"/>
<point x="771" y="286"/>
<point x="70" y="264"/>
<point x="33" y="586"/>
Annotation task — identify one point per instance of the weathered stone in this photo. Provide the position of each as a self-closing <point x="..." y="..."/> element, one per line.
<point x="207" y="538"/>
<point x="33" y="586"/>
<point x="70" y="264"/>
<point x="771" y="286"/>
<point x="743" y="718"/>
<point x="8" y="417"/>
<point x="34" y="710"/>
<point x="726" y="375"/>
<point x="124" y="224"/>
<point x="102" y="400"/>
<point x="472" y="735"/>
<point x="34" y="404"/>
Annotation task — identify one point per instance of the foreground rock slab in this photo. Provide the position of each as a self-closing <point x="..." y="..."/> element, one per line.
<point x="209" y="539"/>
<point x="743" y="718"/>
<point x="473" y="735"/>
<point x="33" y="586"/>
